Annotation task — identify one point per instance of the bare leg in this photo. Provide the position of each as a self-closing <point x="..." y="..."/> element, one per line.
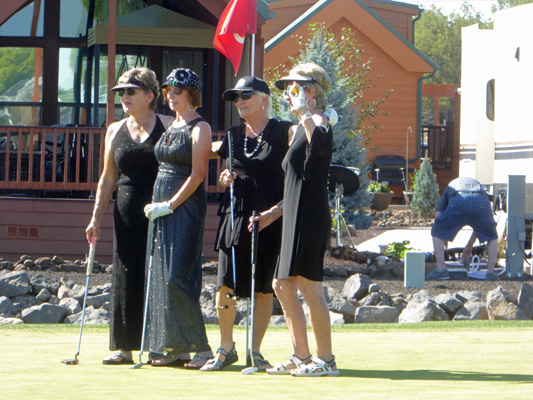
<point x="318" y="309"/>
<point x="226" y="318"/>
<point x="287" y="293"/>
<point x="438" y="247"/>
<point x="492" y="250"/>
<point x="262" y="313"/>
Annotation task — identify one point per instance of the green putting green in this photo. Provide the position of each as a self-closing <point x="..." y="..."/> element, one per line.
<point x="445" y="360"/>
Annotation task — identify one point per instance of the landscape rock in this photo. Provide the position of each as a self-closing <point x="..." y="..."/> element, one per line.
<point x="10" y="321"/>
<point x="7" y="309"/>
<point x="356" y="287"/>
<point x="77" y="292"/>
<point x="449" y="303"/>
<point x="338" y="304"/>
<point x="277" y="320"/>
<point x="14" y="283"/>
<point x="98" y="300"/>
<point x="472" y="310"/>
<point x="336" y="318"/>
<point x="376" y="314"/>
<point x="72" y="305"/>
<point x="421" y="308"/>
<point x="63" y="292"/>
<point x="44" y="314"/>
<point x="99" y="316"/>
<point x="501" y="306"/>
<point x="44" y="262"/>
<point x="39" y="282"/>
<point x="525" y="299"/>
<point x="465" y="296"/>
<point x="43" y="296"/>
<point x="24" y="301"/>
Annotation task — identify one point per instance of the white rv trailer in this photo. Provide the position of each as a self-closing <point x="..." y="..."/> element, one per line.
<point x="496" y="143"/>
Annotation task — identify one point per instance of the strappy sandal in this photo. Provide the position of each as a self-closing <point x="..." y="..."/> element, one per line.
<point x="198" y="361"/>
<point x="260" y="363"/>
<point x="317" y="367"/>
<point x="216" y="365"/>
<point x="118" y="358"/>
<point x="283" y="369"/>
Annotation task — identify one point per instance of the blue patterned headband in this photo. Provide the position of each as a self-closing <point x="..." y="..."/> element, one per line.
<point x="182" y="77"/>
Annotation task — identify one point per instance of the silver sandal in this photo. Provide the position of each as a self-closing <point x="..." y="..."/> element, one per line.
<point x="281" y="369"/>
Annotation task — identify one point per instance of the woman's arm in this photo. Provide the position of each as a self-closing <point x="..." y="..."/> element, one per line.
<point x="201" y="149"/>
<point x="267" y="217"/>
<point x="106" y="183"/>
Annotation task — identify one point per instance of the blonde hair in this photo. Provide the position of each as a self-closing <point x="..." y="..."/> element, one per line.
<point x="143" y="77"/>
<point x="322" y="82"/>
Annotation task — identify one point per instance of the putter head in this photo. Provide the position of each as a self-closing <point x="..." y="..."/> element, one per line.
<point x="73" y="361"/>
<point x="250" y="370"/>
<point x="229" y="296"/>
<point x="137" y="366"/>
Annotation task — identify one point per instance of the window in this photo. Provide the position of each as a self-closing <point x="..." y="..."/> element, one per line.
<point x="490" y="99"/>
<point x="73" y="18"/>
<point x="20" y="24"/>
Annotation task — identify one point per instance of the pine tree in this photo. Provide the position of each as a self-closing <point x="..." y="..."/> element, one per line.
<point x="341" y="58"/>
<point x="426" y="190"/>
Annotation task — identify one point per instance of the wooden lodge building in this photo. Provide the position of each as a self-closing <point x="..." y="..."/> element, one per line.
<point x="54" y="105"/>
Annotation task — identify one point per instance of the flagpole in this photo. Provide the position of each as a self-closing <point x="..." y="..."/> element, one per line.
<point x="252" y="62"/>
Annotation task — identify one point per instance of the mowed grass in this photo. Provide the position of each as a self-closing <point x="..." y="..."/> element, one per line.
<point x="445" y="360"/>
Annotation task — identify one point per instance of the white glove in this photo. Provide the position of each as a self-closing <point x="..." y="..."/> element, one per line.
<point x="296" y="96"/>
<point x="156" y="210"/>
<point x="332" y="116"/>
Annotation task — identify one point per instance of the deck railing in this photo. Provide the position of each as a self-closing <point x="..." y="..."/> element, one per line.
<point x="62" y="158"/>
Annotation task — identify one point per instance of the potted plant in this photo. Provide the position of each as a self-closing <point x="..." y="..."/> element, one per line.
<point x="382" y="195"/>
<point x="408" y="194"/>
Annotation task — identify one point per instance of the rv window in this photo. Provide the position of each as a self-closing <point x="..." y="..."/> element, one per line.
<point x="490" y="99"/>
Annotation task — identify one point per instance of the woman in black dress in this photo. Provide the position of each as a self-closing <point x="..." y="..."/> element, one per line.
<point x="129" y="162"/>
<point x="175" y="326"/>
<point x="258" y="146"/>
<point x="306" y="222"/>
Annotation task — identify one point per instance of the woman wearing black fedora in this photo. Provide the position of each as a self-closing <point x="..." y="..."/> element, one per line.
<point x="257" y="146"/>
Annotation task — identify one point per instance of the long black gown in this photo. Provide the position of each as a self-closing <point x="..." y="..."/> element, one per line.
<point x="306" y="212"/>
<point x="258" y="187"/>
<point x="137" y="170"/>
<point x="174" y="318"/>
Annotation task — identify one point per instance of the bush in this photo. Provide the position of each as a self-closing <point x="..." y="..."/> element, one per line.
<point x="378" y="187"/>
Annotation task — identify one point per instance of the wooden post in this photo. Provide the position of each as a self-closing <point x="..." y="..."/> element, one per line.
<point x="111" y="51"/>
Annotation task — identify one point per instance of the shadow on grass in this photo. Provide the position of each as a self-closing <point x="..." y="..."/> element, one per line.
<point x="433" y="375"/>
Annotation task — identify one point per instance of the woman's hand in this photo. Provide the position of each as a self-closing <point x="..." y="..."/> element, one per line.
<point x="225" y="179"/>
<point x="92" y="230"/>
<point x="295" y="95"/>
<point x="265" y="218"/>
<point x="156" y="210"/>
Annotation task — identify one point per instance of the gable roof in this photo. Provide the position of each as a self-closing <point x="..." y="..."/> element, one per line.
<point x="365" y="20"/>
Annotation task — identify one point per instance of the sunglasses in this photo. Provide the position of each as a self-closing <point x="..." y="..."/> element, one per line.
<point x="244" y="95"/>
<point x="175" y="90"/>
<point x="129" y="92"/>
<point x="292" y="89"/>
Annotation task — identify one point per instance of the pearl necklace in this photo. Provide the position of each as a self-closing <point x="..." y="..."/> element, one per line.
<point x="258" y="145"/>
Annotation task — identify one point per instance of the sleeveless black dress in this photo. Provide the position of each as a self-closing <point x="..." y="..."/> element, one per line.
<point x="174" y="319"/>
<point x="137" y="170"/>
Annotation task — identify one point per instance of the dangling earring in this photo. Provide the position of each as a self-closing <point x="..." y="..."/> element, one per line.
<point x="189" y="107"/>
<point x="307" y="103"/>
<point x="262" y="107"/>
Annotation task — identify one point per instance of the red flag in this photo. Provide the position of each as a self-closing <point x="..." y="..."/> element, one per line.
<point x="238" y="19"/>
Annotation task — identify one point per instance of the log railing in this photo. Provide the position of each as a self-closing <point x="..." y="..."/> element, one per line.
<point x="62" y="158"/>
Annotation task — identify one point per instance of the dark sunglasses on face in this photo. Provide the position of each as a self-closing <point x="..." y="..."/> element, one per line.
<point x="130" y="92"/>
<point x="244" y="95"/>
<point x="175" y="90"/>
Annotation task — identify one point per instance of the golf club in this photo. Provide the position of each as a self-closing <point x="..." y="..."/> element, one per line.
<point x="249" y="354"/>
<point x="89" y="269"/>
<point x="140" y="364"/>
<point x="234" y="296"/>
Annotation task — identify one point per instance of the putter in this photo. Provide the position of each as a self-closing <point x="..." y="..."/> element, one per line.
<point x="140" y="363"/>
<point x="89" y="269"/>
<point x="249" y="355"/>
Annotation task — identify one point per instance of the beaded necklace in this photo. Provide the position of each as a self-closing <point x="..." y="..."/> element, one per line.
<point x="258" y="145"/>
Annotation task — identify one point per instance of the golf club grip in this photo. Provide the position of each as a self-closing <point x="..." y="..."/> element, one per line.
<point x="255" y="233"/>
<point x="90" y="259"/>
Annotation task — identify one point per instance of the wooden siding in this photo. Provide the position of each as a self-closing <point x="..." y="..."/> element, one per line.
<point x="49" y="227"/>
